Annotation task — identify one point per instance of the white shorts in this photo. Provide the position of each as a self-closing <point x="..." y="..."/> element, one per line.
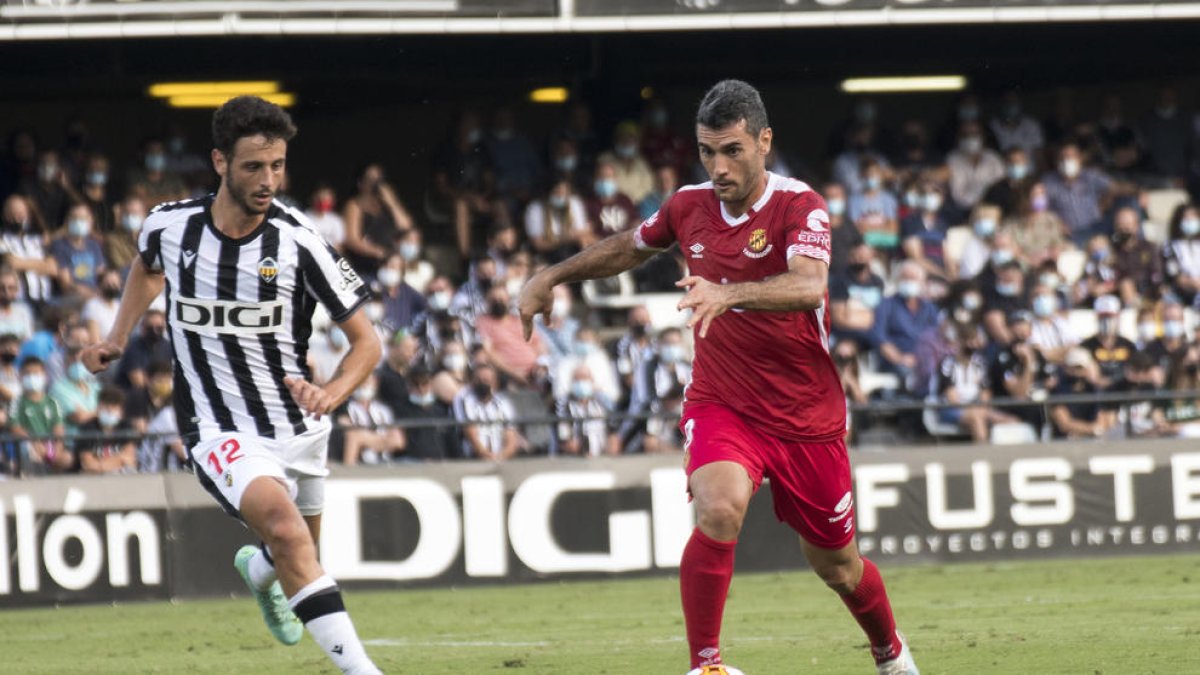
<point x="226" y="465"/>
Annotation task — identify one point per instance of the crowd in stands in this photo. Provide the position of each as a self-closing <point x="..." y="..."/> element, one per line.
<point x="1001" y="256"/>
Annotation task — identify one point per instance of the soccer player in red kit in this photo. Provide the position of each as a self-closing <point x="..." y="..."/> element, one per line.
<point x="765" y="399"/>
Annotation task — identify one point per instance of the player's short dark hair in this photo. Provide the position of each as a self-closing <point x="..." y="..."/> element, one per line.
<point x="249" y="116"/>
<point x="111" y="396"/>
<point x="729" y="102"/>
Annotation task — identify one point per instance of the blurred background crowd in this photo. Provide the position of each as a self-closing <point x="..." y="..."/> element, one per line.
<point x="983" y="256"/>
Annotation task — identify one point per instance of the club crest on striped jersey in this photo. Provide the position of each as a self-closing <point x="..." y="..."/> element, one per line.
<point x="268" y="269"/>
<point x="758" y="247"/>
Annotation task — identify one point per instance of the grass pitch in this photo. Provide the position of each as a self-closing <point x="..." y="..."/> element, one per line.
<point x="1120" y="615"/>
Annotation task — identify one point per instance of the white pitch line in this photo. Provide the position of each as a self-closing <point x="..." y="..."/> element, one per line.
<point x="402" y="642"/>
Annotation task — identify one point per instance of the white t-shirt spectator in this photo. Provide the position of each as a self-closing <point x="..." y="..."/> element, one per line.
<point x="974" y="258"/>
<point x="331" y="226"/>
<point x="536" y="219"/>
<point x="604" y="374"/>
<point x="17" y="320"/>
<point x="103" y="312"/>
<point x="491" y="419"/>
<point x="1052" y="333"/>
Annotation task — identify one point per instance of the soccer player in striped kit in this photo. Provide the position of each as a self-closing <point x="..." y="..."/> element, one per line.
<point x="243" y="274"/>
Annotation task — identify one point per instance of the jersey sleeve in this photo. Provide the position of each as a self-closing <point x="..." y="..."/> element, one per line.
<point x="150" y="242"/>
<point x="657" y="232"/>
<point x="807" y="229"/>
<point x="329" y="278"/>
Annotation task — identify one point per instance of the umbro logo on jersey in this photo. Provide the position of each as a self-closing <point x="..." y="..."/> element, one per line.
<point x="189" y="257"/>
<point x="697" y="250"/>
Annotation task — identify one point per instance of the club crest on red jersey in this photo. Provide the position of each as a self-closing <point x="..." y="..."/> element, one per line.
<point x="758" y="247"/>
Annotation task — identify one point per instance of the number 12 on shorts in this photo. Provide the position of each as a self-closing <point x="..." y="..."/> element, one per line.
<point x="230" y="451"/>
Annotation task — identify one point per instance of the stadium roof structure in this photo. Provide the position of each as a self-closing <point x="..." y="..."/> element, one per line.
<point x="117" y="19"/>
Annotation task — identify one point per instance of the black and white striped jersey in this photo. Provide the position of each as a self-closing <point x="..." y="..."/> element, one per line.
<point x="239" y="314"/>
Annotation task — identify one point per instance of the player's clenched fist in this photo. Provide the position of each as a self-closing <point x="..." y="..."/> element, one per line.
<point x="537" y="297"/>
<point x="706" y="300"/>
<point x="97" y="357"/>
<point x="311" y="398"/>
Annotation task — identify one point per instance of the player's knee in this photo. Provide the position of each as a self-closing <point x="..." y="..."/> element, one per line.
<point x="720" y="518"/>
<point x="284" y="535"/>
<point x="838" y="576"/>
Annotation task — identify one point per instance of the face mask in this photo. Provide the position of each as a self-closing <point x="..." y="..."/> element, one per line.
<point x="1108" y="326"/>
<point x="364" y="394"/>
<point x="836" y="206"/>
<point x="561" y="308"/>
<point x="584" y="349"/>
<point x="1069" y="167"/>
<point x="389" y="277"/>
<point x="156" y="162"/>
<point x="1007" y="290"/>
<point x="566" y="164"/>
<point x="972" y="302"/>
<point x="79" y="227"/>
<point x="1039" y="203"/>
<point x="638" y="330"/>
<point x="1120" y="237"/>
<point x="626" y="151"/>
<point x="1049" y="279"/>
<point x="497" y="309"/>
<point x="1045" y="305"/>
<point x="985" y="227"/>
<point x="971" y="145"/>
<point x="481" y="390"/>
<point x="97" y="178"/>
<point x="155" y="334"/>
<point x="421" y="399"/>
<point x="856" y="268"/>
<point x="1018" y="171"/>
<point x="484" y="284"/>
<point x="912" y="199"/>
<point x="558" y="202"/>
<point x="455" y="362"/>
<point x="1100" y="255"/>
<point x="581" y="389"/>
<point x="175" y="145"/>
<point x="108" y="418"/>
<point x="670" y="353"/>
<point x="908" y="288"/>
<point x="35" y="382"/>
<point x="932" y="202"/>
<point x="513" y="286"/>
<point x="1147" y="331"/>
<point x="337" y="339"/>
<point x="962" y="315"/>
<point x="1190" y="227"/>
<point x="1173" y="329"/>
<point x="131" y="222"/>
<point x="606" y="188"/>
<point x="374" y="312"/>
<point x="1001" y="256"/>
<point x="439" y="301"/>
<point x="873" y="182"/>
<point x="47" y="172"/>
<point x="77" y="372"/>
<point x="409" y="251"/>
<point x="323" y="205"/>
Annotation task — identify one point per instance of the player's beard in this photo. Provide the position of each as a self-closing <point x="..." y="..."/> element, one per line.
<point x="242" y="199"/>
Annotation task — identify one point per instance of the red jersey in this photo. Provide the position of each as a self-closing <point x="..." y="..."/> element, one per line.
<point x="772" y="368"/>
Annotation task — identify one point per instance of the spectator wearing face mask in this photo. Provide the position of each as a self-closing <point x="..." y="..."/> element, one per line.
<point x="22" y="248"/>
<point x="49" y="193"/>
<point x="1108" y="349"/>
<point x="100" y="312"/>
<point x="1013" y="129"/>
<point x="1138" y="419"/>
<point x="873" y="210"/>
<point x="94" y="191"/>
<point x="1165" y="133"/>
<point x="1003" y="296"/>
<point x="403" y="305"/>
<point x="76" y="394"/>
<point x="470" y="301"/>
<point x="425" y="443"/>
<point x="418" y="272"/>
<point x="609" y="210"/>
<point x="370" y="432"/>
<point x="1051" y="336"/>
<point x="1181" y="253"/>
<point x="923" y="234"/>
<point x="79" y="256"/>
<point x="559" y="332"/>
<point x="565" y="163"/>
<point x="985" y="240"/>
<point x="106" y="445"/>
<point x="666" y="182"/>
<point x="503" y="338"/>
<point x="631" y="171"/>
<point x="16" y="318"/>
<point x="602" y="372"/>
<point x="662" y="144"/>
<point x="973" y="168"/>
<point x="1085" y="419"/>
<point x="1019" y="371"/>
<point x="557" y="225"/>
<point x="143" y="410"/>
<point x="854" y="297"/>
<point x="584" y="431"/>
<point x="847" y="165"/>
<point x="1183" y="413"/>
<point x="843" y="235"/>
<point x="962" y="379"/>
<point x="900" y="320"/>
<point x="392" y="376"/>
<point x="517" y="164"/>
<point x="36" y="418"/>
<point x="10" y="376"/>
<point x="451" y="375"/>
<point x="325" y="355"/>
<point x="1137" y="264"/>
<point x="1172" y="346"/>
<point x="322" y="211"/>
<point x="1038" y="234"/>
<point x="1077" y="194"/>
<point x="487" y="418"/>
<point x="120" y="243"/>
<point x="154" y="183"/>
<point x="668" y="372"/>
<point x="1099" y="277"/>
<point x="1010" y="192"/>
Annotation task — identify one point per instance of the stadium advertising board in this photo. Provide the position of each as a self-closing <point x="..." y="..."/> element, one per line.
<point x="133" y="9"/>
<point x="693" y="7"/>
<point x="129" y="537"/>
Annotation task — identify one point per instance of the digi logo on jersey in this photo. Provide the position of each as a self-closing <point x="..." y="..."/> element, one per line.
<point x="224" y="317"/>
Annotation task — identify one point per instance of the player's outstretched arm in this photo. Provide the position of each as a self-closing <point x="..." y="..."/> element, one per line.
<point x="605" y="258"/>
<point x="365" y="352"/>
<point x="801" y="288"/>
<point x="141" y="288"/>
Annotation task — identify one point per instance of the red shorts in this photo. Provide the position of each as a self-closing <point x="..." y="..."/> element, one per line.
<point x="810" y="482"/>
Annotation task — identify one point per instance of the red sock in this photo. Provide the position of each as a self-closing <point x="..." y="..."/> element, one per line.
<point x="870" y="607"/>
<point x="704" y="575"/>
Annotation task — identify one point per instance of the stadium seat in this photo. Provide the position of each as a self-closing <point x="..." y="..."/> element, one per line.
<point x="1013" y="433"/>
<point x="871" y="381"/>
<point x="1071" y="264"/>
<point x="1154" y="231"/>
<point x="1160" y="204"/>
<point x="1083" y="322"/>
<point x="935" y="427"/>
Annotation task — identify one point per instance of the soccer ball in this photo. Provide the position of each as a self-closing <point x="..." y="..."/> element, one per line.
<point x="717" y="669"/>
